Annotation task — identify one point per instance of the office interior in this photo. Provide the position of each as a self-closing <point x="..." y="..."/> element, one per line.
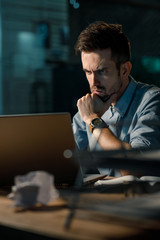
<point x="40" y="73"/>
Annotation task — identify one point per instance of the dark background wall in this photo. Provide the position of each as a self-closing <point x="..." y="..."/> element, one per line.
<point x="39" y="69"/>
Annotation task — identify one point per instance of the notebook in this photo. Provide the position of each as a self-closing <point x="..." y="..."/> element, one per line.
<point x="32" y="142"/>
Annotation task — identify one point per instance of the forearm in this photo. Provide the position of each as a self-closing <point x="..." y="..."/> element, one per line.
<point x="108" y="141"/>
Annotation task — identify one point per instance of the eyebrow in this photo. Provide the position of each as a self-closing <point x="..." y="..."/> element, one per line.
<point x="98" y="69"/>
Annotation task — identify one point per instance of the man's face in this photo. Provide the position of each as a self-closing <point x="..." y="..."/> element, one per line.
<point x="101" y="72"/>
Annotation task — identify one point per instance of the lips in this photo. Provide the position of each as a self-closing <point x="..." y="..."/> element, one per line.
<point x="102" y="94"/>
<point x="98" y="91"/>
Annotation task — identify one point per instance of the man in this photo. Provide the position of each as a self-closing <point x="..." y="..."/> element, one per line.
<point x="119" y="112"/>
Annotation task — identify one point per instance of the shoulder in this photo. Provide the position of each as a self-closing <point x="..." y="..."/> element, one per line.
<point x="149" y="98"/>
<point x="152" y="93"/>
<point x="147" y="92"/>
<point x="147" y="87"/>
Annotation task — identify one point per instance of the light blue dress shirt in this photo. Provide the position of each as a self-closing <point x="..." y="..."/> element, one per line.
<point x="134" y="119"/>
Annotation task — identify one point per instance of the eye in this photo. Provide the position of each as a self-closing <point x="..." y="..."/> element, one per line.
<point x="101" y="71"/>
<point x="88" y="72"/>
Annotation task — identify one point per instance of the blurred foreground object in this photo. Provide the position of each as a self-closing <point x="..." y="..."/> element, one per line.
<point x="32" y="188"/>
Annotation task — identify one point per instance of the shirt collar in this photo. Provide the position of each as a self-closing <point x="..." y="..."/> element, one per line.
<point x="123" y="103"/>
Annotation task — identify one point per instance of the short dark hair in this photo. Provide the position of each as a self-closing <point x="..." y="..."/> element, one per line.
<point x="101" y="35"/>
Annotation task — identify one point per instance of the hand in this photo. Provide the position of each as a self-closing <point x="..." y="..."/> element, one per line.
<point x="91" y="106"/>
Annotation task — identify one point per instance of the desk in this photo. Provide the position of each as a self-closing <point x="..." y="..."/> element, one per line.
<point x="48" y="222"/>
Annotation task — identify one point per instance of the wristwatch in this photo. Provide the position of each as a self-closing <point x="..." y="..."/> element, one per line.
<point x="97" y="123"/>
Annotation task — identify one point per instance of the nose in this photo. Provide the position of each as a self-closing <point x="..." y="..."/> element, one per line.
<point x="94" y="79"/>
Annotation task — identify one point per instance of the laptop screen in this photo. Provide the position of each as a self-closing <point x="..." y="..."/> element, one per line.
<point x="35" y="142"/>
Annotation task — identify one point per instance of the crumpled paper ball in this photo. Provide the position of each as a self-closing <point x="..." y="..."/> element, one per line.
<point x="32" y="188"/>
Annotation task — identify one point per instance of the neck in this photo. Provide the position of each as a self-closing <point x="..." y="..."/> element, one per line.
<point x="121" y="90"/>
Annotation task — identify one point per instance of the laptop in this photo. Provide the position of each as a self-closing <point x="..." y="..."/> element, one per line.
<point x="33" y="142"/>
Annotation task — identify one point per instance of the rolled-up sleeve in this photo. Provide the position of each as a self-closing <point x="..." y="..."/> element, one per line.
<point x="79" y="131"/>
<point x="146" y="130"/>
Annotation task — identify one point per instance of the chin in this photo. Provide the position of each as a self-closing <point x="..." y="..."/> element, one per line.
<point x="104" y="98"/>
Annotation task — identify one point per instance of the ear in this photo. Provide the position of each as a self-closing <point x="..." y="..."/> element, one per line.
<point x="125" y="69"/>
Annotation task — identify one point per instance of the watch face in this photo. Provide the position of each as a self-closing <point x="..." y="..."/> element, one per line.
<point x="96" y="121"/>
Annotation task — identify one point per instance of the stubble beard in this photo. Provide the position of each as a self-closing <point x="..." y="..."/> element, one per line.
<point x="106" y="97"/>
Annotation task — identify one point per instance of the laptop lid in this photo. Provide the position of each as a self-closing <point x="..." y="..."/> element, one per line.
<point x="35" y="142"/>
